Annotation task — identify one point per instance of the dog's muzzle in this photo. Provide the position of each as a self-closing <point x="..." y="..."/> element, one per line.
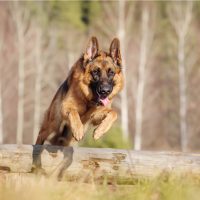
<point x="104" y="89"/>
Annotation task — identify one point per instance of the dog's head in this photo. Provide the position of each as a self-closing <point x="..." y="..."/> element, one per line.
<point x="102" y="72"/>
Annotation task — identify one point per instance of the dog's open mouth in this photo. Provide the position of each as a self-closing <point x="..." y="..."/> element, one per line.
<point x="104" y="101"/>
<point x="100" y="98"/>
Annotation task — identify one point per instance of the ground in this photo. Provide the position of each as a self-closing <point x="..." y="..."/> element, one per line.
<point x="27" y="186"/>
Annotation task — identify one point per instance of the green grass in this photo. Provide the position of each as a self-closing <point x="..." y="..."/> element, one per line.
<point x="25" y="187"/>
<point x="112" y="139"/>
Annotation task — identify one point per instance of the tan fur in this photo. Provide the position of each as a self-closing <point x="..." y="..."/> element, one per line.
<point x="73" y="104"/>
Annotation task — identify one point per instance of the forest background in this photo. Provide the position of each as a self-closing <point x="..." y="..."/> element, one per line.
<point x="159" y="105"/>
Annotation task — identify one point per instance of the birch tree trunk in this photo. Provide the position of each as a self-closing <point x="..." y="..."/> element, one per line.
<point x="1" y="108"/>
<point x="182" y="78"/>
<point x="182" y="92"/>
<point x="141" y="79"/>
<point x="180" y="20"/>
<point x="124" y="102"/>
<point x="38" y="85"/>
<point x="17" y="17"/>
<point x="1" y="116"/>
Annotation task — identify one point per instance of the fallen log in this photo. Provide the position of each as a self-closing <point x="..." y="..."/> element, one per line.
<point x="76" y="162"/>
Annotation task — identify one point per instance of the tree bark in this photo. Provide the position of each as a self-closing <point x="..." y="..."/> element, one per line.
<point x="180" y="20"/>
<point x="21" y="75"/>
<point x="38" y="86"/>
<point x="141" y="79"/>
<point x="124" y="101"/>
<point x="1" y="107"/>
<point x="1" y="115"/>
<point x="182" y="96"/>
<point x="84" y="163"/>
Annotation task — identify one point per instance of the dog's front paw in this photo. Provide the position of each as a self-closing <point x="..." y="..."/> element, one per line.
<point x="98" y="132"/>
<point x="105" y="125"/>
<point x="78" y="132"/>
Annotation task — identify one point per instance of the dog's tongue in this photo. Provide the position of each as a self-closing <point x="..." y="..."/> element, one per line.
<point x="105" y="101"/>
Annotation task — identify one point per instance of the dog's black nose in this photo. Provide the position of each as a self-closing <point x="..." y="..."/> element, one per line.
<point x="105" y="89"/>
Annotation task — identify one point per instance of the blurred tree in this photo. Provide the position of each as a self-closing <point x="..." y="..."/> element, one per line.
<point x="1" y="77"/>
<point x="124" y="103"/>
<point x="38" y="83"/>
<point x="85" y="8"/>
<point x="1" y="108"/>
<point x="54" y="33"/>
<point x="180" y="15"/>
<point x="145" y="44"/>
<point x="141" y="79"/>
<point x="20" y="19"/>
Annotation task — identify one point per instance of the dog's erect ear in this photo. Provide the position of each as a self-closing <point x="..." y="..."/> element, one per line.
<point x="115" y="51"/>
<point x="92" y="49"/>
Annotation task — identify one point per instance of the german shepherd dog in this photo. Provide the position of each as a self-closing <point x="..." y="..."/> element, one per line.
<point x="85" y="97"/>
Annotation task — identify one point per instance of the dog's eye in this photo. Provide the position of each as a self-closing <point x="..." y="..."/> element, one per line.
<point x="111" y="72"/>
<point x="96" y="74"/>
<point x="96" y="71"/>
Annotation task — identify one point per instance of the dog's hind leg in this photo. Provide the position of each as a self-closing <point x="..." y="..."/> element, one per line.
<point x="65" y="138"/>
<point x="43" y="134"/>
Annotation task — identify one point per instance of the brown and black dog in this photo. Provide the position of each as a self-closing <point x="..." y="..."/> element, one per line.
<point x="85" y="97"/>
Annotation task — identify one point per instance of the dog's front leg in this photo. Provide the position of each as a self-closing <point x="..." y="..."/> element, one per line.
<point x="74" y="122"/>
<point x="105" y="125"/>
<point x="101" y="117"/>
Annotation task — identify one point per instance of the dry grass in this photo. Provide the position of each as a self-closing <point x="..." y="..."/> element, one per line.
<point x="29" y="187"/>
